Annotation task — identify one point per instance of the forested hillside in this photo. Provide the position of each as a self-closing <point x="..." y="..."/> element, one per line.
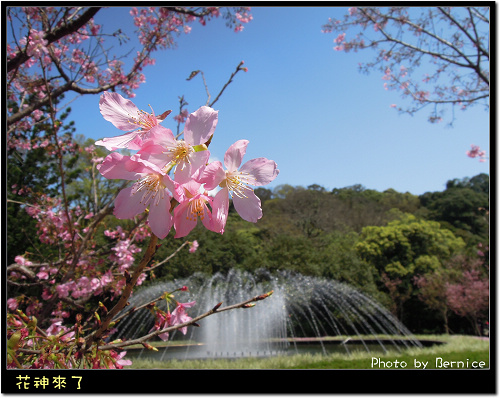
<point x="423" y="257"/>
<point x="405" y="250"/>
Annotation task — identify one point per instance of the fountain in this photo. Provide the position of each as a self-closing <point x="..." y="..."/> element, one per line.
<point x="302" y="310"/>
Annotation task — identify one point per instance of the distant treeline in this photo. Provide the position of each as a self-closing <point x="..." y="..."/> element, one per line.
<point x="388" y="244"/>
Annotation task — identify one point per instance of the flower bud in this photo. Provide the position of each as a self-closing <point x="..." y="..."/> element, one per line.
<point x="149" y="347"/>
<point x="264" y="296"/>
<point x="103" y="307"/>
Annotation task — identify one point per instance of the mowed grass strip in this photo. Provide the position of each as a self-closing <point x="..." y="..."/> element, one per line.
<point x="451" y="360"/>
<point x="465" y="351"/>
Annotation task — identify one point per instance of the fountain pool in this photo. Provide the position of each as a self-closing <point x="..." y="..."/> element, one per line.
<point x="301" y="307"/>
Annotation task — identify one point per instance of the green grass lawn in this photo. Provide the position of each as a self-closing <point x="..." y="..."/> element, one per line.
<point x="457" y="352"/>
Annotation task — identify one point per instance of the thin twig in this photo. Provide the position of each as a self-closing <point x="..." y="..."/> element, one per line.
<point x="168" y="258"/>
<point x="238" y="68"/>
<point x="215" y="310"/>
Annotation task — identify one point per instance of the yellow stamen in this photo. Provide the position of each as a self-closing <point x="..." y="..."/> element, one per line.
<point x="236" y="183"/>
<point x="180" y="153"/>
<point x="151" y="184"/>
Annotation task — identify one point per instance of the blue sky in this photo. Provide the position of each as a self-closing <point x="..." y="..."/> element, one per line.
<point x="301" y="104"/>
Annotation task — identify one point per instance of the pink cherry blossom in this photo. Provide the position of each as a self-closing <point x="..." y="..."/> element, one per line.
<point x="193" y="246"/>
<point x="193" y="204"/>
<point x="22" y="261"/>
<point x="257" y="172"/>
<point x="36" y="44"/>
<point x="476" y="151"/>
<point x="43" y="274"/>
<point x="151" y="189"/>
<point x="340" y="38"/>
<point x="181" y="117"/>
<point x="46" y="294"/>
<point x="163" y="149"/>
<point x="12" y="304"/>
<point x="167" y="319"/>
<point x="127" y="117"/>
<point x="162" y="321"/>
<point x="64" y="289"/>
<point x="124" y="254"/>
<point x="120" y="362"/>
<point x="179" y="315"/>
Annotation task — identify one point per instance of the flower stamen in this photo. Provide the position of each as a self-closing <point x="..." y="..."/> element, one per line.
<point x="180" y="153"/>
<point x="145" y="121"/>
<point x="236" y="182"/>
<point x="196" y="208"/>
<point x="151" y="185"/>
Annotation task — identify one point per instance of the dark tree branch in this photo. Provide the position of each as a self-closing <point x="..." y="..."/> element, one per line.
<point x="64" y="30"/>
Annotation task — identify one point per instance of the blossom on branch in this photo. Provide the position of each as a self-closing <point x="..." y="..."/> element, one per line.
<point x="476" y="152"/>
<point x="193" y="246"/>
<point x="153" y="188"/>
<point x="126" y="116"/>
<point x="234" y="182"/>
<point x="161" y="152"/>
<point x="166" y="319"/>
<point x="186" y="156"/>
<point x="193" y="204"/>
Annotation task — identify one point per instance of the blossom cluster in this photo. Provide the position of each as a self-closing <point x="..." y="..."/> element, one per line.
<point x="23" y="333"/>
<point x="90" y="279"/>
<point x="35" y="60"/>
<point x="164" y="319"/>
<point x="159" y="153"/>
<point x="477" y="152"/>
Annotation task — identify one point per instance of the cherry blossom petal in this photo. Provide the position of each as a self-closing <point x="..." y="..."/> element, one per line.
<point x="160" y="220"/>
<point x="118" y="110"/>
<point x="213" y="174"/>
<point x="186" y="170"/>
<point x="248" y="208"/>
<point x="234" y="155"/>
<point x="118" y="166"/>
<point x="261" y="169"/>
<point x="220" y="210"/>
<point x="128" y="204"/>
<point x="179" y="315"/>
<point x="182" y="221"/>
<point x="169" y="183"/>
<point x="200" y="125"/>
<point x="155" y="154"/>
<point x="120" y="141"/>
<point x="206" y="220"/>
<point x="160" y="135"/>
<point x="147" y="166"/>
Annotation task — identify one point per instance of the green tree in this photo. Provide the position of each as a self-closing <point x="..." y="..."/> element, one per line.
<point x="340" y="261"/>
<point x="463" y="206"/>
<point x="405" y="248"/>
<point x="89" y="189"/>
<point x="363" y="207"/>
<point x="34" y="171"/>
